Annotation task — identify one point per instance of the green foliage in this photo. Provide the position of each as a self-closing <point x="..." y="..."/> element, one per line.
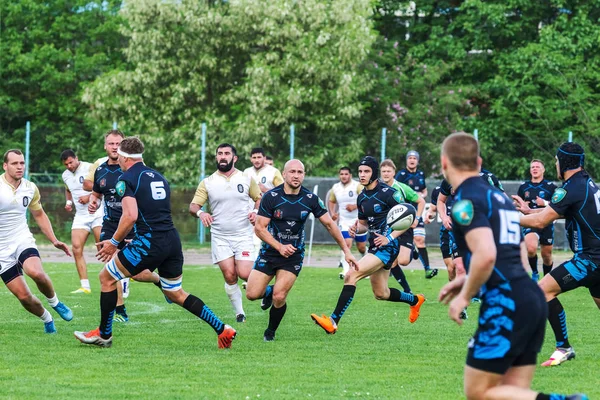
<point x="48" y="50"/>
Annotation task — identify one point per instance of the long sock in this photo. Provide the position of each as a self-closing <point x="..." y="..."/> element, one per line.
<point x="108" y="303"/>
<point x="53" y="301"/>
<point x="46" y="316"/>
<point x="547" y="268"/>
<point x="424" y="256"/>
<point x="343" y="302"/>
<point x="401" y="278"/>
<point x="85" y="283"/>
<point x="201" y="310"/>
<point x="551" y="396"/>
<point x="345" y="265"/>
<point x="533" y="263"/>
<point x="121" y="310"/>
<point x="275" y="317"/>
<point x="402" y="297"/>
<point x="235" y="297"/>
<point x="558" y="322"/>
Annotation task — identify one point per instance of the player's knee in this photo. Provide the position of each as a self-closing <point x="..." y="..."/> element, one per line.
<point x="252" y="295"/>
<point x="352" y="277"/>
<point x="176" y="296"/>
<point x="404" y="260"/>
<point x="381" y="293"/>
<point x="279" y="298"/>
<point x="25" y="297"/>
<point x="475" y="393"/>
<point x="77" y="249"/>
<point x="230" y="277"/>
<point x="38" y="275"/>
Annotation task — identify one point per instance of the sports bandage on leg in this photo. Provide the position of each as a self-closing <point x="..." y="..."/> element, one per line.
<point x="235" y="297"/>
<point x="345" y="265"/>
<point x="113" y="270"/>
<point x="170" y="285"/>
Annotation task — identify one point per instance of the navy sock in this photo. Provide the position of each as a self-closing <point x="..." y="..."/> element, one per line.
<point x="533" y="263"/>
<point x="108" y="303"/>
<point x="558" y="322"/>
<point x="401" y="278"/>
<point x="343" y="302"/>
<point x="402" y="297"/>
<point x="424" y="256"/>
<point x="201" y="310"/>
<point x="551" y="396"/>
<point x="275" y="316"/>
<point x="547" y="268"/>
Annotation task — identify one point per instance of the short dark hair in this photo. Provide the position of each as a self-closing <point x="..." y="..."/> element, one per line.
<point x="114" y="132"/>
<point x="66" y="154"/>
<point x="257" y="150"/>
<point x="269" y="158"/>
<point x="346" y="169"/>
<point x="15" y="151"/>
<point x="132" y="145"/>
<point x="223" y="145"/>
<point x="462" y="150"/>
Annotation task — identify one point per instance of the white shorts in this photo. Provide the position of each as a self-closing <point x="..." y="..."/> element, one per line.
<point x="88" y="222"/>
<point x="10" y="252"/>
<point x="239" y="247"/>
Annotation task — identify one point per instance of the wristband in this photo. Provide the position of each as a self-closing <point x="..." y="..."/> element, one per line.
<point x="255" y="211"/>
<point x="69" y="203"/>
<point x="114" y="242"/>
<point x="546" y="202"/>
<point x="198" y="213"/>
<point x="390" y="238"/>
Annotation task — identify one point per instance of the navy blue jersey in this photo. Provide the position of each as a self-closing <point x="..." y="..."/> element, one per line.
<point x="491" y="179"/>
<point x="288" y="214"/>
<point x="416" y="180"/>
<point x="373" y="206"/>
<point x="478" y="205"/>
<point x="153" y="196"/>
<point x="446" y="190"/>
<point x="434" y="195"/>
<point x="105" y="182"/>
<point x="578" y="200"/>
<point x="529" y="191"/>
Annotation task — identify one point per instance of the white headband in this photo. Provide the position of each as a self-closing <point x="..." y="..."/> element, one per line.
<point x="122" y="153"/>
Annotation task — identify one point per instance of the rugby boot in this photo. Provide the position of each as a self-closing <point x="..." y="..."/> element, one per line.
<point x="414" y="310"/>
<point x="325" y="322"/>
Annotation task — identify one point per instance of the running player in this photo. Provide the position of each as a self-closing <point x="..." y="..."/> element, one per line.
<point x="406" y="195"/>
<point x="84" y="221"/>
<point x="228" y="192"/>
<point x="344" y="194"/>
<point x="447" y="243"/>
<point x="503" y="351"/>
<point x="146" y="207"/>
<point x="537" y="192"/>
<point x="18" y="251"/>
<point x="415" y="178"/>
<point x="280" y="224"/>
<point x="374" y="202"/>
<point x="578" y="201"/>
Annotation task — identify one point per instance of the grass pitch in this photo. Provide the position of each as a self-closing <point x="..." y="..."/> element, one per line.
<point x="165" y="352"/>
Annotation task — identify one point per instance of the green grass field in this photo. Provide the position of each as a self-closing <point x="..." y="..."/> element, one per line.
<point x="165" y="352"/>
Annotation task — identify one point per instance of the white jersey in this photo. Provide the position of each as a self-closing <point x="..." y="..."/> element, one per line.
<point x="268" y="176"/>
<point x="74" y="182"/>
<point x="13" y="208"/>
<point x="344" y="195"/>
<point x="228" y="198"/>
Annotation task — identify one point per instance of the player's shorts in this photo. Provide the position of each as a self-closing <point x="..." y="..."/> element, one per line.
<point x="545" y="235"/>
<point x="87" y="222"/>
<point x="154" y="250"/>
<point x="576" y="272"/>
<point x="268" y="264"/>
<point x="419" y="230"/>
<point x="108" y="230"/>
<point x="512" y="323"/>
<point x="224" y="247"/>
<point x="447" y="244"/>
<point x="388" y="253"/>
<point x="14" y="254"/>
<point x="358" y="238"/>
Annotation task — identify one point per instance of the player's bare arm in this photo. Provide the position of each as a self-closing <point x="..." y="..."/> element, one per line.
<point x="423" y="193"/>
<point x="94" y="203"/>
<point x="539" y="220"/>
<point x="260" y="228"/>
<point x="41" y="218"/>
<point x="126" y="223"/>
<point x="88" y="185"/>
<point x="331" y="208"/>
<point x="336" y="234"/>
<point x="360" y="226"/>
<point x="69" y="200"/>
<point x="441" y="208"/>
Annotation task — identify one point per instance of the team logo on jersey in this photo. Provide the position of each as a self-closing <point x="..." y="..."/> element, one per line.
<point x="351" y="193"/>
<point x="278" y="213"/>
<point x="527" y="194"/>
<point x="384" y="189"/>
<point x="398" y="197"/>
<point x="322" y="204"/>
<point x="120" y="188"/>
<point x="102" y="182"/>
<point x="291" y="223"/>
<point x="463" y="212"/>
<point x="25" y="201"/>
<point x="542" y="195"/>
<point x="81" y="179"/>
<point x="410" y="182"/>
<point x="309" y="195"/>
<point x="303" y="215"/>
<point x="240" y="188"/>
<point x="377" y="208"/>
<point x="297" y="267"/>
<point x="150" y="174"/>
<point x="263" y="179"/>
<point x="273" y="194"/>
<point x="558" y="195"/>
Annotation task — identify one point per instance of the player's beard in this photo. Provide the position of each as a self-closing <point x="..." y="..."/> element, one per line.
<point x="225" y="167"/>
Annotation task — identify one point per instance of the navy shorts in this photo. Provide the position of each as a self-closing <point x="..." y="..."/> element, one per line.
<point x="545" y="235"/>
<point x="576" y="272"/>
<point x="447" y="244"/>
<point x="269" y="263"/>
<point x="154" y="250"/>
<point x="512" y="323"/>
<point x="108" y="230"/>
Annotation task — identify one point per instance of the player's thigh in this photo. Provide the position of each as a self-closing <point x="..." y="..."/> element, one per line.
<point x="244" y="255"/>
<point x="79" y="237"/>
<point x="595" y="293"/>
<point x="243" y="268"/>
<point x="227" y="267"/>
<point x="404" y="255"/>
<point x="221" y="248"/>
<point x="477" y="382"/>
<point x="366" y="266"/>
<point x="18" y="287"/>
<point x="284" y="281"/>
<point x="361" y="245"/>
<point x="97" y="230"/>
<point x="531" y="242"/>
<point x="348" y="242"/>
<point x="546" y="251"/>
<point x="32" y="264"/>
<point x="379" y="284"/>
<point x="257" y="284"/>
<point x="570" y="275"/>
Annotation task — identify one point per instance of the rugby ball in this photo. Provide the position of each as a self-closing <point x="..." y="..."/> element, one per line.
<point x="401" y="216"/>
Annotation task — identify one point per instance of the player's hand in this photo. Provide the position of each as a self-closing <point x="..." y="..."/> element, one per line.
<point x="252" y="217"/>
<point x="456" y="308"/>
<point x="262" y="188"/>
<point x="540" y="202"/>
<point x="351" y="207"/>
<point x="451" y="289"/>
<point x="106" y="250"/>
<point x="429" y="218"/>
<point x="93" y="207"/>
<point x="334" y="216"/>
<point x="68" y="207"/>
<point x="520" y="204"/>
<point x="447" y="222"/>
<point x="61" y="246"/>
<point x="84" y="199"/>
<point x="286" y="250"/>
<point x="415" y="223"/>
<point x="351" y="260"/>
<point x="206" y="219"/>
<point x="380" y="240"/>
<point x="353" y="228"/>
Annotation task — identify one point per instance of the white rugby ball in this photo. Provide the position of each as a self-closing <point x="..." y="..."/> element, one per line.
<point x="401" y="216"/>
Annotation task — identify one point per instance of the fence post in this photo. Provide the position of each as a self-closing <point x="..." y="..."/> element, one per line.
<point x="292" y="140"/>
<point x="201" y="233"/>
<point x="383" y="144"/>
<point x="570" y="136"/>
<point x="476" y="134"/>
<point x="115" y="125"/>
<point x="27" y="143"/>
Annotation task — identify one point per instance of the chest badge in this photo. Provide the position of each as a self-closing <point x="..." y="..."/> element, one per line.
<point x="463" y="212"/>
<point x="240" y="188"/>
<point x="278" y="214"/>
<point x="102" y="182"/>
<point x="558" y="195"/>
